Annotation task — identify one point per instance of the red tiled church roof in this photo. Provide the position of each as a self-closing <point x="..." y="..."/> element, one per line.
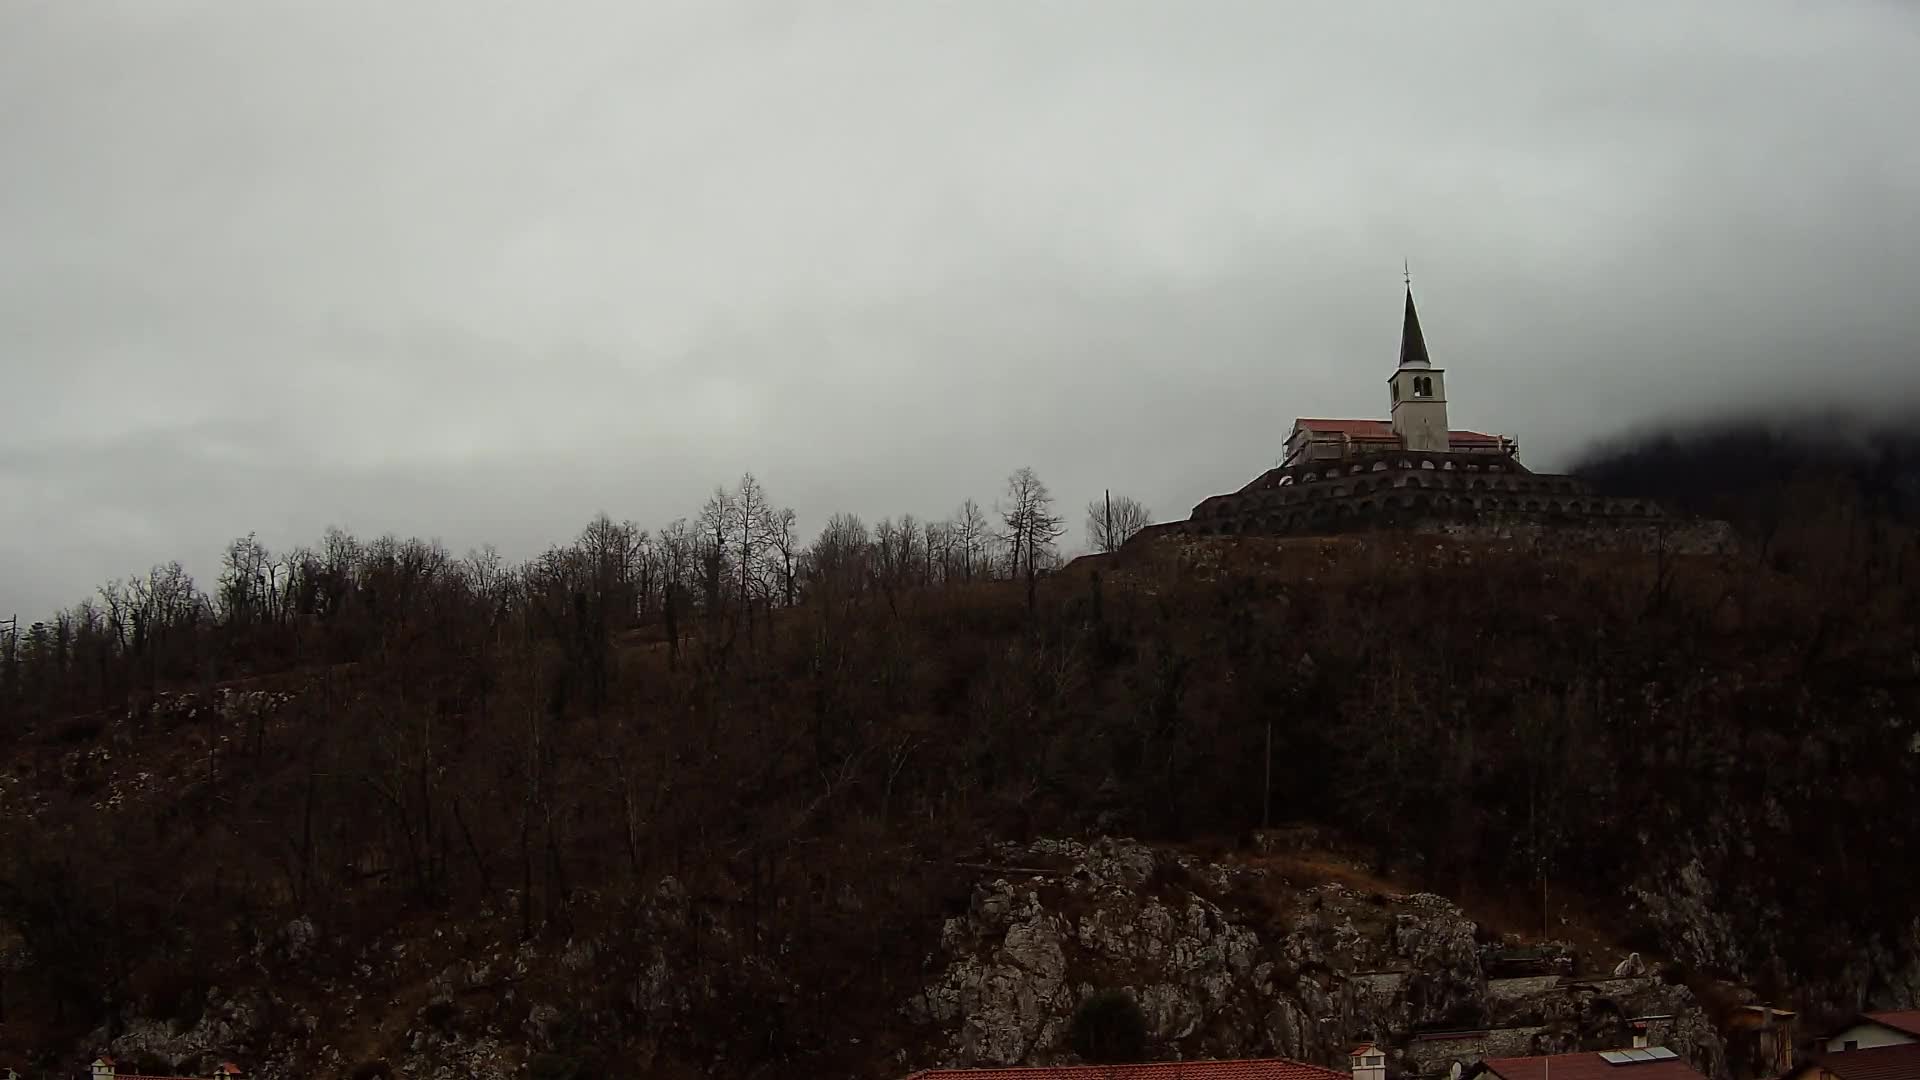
<point x="1900" y="1062"/>
<point x="1381" y="429"/>
<point x="1347" y="427"/>
<point x="1261" y="1069"/>
<point x="1588" y="1066"/>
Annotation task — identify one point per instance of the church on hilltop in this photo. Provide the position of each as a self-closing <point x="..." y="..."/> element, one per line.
<point x="1418" y="415"/>
<point x="1412" y="469"/>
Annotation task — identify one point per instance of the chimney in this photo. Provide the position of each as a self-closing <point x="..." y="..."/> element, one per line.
<point x="103" y="1068"/>
<point x="1781" y="1031"/>
<point x="1369" y="1062"/>
<point x="1639" y="1034"/>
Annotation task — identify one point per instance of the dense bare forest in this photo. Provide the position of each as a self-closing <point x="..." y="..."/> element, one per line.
<point x="381" y="742"/>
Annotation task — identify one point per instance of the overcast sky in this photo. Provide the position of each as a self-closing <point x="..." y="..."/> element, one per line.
<point x="477" y="270"/>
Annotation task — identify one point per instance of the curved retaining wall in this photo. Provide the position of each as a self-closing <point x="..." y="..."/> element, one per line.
<point x="1405" y="489"/>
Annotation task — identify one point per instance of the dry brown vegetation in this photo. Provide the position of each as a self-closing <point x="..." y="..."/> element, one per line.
<point x="528" y="755"/>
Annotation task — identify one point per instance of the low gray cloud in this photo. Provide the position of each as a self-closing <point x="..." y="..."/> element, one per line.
<point x="476" y="270"/>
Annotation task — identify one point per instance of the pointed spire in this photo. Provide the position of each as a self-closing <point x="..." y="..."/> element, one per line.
<point x="1413" y="345"/>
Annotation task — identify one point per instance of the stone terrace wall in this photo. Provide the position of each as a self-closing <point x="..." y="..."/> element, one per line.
<point x="1406" y="490"/>
<point x="1679" y="536"/>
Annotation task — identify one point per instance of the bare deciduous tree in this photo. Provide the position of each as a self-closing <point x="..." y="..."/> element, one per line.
<point x="1031" y="525"/>
<point x="680" y="551"/>
<point x="786" y="551"/>
<point x="839" y="563"/>
<point x="971" y="534"/>
<point x="749" y="526"/>
<point x="1112" y="521"/>
<point x="714" y="530"/>
<point x="936" y="546"/>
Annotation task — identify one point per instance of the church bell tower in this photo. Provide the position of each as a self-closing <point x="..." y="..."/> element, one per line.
<point x="1419" y="390"/>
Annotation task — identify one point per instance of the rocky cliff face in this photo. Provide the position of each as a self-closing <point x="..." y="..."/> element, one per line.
<point x="1234" y="961"/>
<point x="466" y="1003"/>
<point x="1701" y="922"/>
<point x="1225" y="960"/>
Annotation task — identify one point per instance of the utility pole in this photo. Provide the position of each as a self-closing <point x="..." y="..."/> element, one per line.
<point x="1108" y="538"/>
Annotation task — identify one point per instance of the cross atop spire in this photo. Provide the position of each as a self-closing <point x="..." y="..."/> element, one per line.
<point x="1413" y="345"/>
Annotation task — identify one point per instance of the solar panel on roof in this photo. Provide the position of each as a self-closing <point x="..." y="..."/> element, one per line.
<point x="1614" y="1057"/>
<point x="1661" y="1053"/>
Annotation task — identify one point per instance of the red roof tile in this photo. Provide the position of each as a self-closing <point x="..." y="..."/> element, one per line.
<point x="1874" y="1063"/>
<point x="1588" y="1066"/>
<point x="1382" y="429"/>
<point x="1347" y="427"/>
<point x="1907" y="1020"/>
<point x="1262" y="1069"/>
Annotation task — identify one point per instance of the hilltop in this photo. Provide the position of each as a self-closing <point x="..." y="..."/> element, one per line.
<point x="440" y="828"/>
<point x="708" y="799"/>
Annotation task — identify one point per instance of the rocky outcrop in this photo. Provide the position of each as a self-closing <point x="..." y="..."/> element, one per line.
<point x="1224" y="959"/>
<point x="225" y="1026"/>
<point x="465" y="1003"/>
<point x="1721" y="899"/>
<point x="1236" y="961"/>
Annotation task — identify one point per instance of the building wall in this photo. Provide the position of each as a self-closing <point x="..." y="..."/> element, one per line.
<point x="1297" y="440"/>
<point x="1521" y="988"/>
<point x="1326" y="446"/>
<point x="1305" y="446"/>
<point x="1429" y="1055"/>
<point x="1869" y="1036"/>
<point x="1421" y="422"/>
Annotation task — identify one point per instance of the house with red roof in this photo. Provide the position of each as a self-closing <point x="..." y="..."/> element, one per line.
<point x="1891" y="1061"/>
<point x="1869" y="1030"/>
<point x="1873" y="1046"/>
<point x="1639" y="1063"/>
<point x="1251" y="1069"/>
<point x="106" y="1068"/>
